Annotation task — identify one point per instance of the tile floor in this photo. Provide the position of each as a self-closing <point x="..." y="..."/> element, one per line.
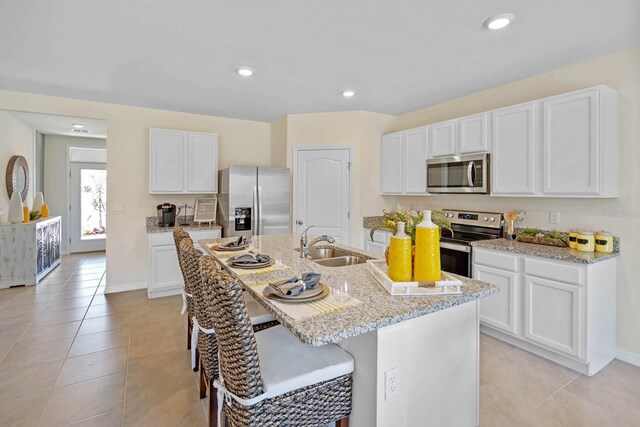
<point x="70" y="355"/>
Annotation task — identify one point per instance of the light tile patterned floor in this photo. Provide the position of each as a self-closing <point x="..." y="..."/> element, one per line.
<point x="70" y="355"/>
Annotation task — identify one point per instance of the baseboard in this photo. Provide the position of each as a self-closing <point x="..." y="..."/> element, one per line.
<point x="123" y="287"/>
<point x="627" y="356"/>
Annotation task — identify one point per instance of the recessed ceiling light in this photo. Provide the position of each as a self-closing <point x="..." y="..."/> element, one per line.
<point x="348" y="93"/>
<point x="499" y="21"/>
<point x="77" y="126"/>
<point x="245" y="71"/>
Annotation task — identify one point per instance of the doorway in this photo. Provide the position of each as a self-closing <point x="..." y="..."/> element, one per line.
<point x="88" y="189"/>
<point x="322" y="191"/>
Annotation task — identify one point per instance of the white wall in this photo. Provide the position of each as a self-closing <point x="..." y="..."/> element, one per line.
<point x="16" y="138"/>
<point x="56" y="184"/>
<point x="621" y="216"/>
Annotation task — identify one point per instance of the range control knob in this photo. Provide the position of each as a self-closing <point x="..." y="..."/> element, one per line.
<point x="492" y="219"/>
<point x="486" y="218"/>
<point x="450" y="215"/>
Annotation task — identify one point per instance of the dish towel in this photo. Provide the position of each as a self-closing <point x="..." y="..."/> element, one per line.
<point x="249" y="259"/>
<point x="294" y="286"/>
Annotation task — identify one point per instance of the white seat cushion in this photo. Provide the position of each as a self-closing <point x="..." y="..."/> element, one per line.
<point x="287" y="364"/>
<point x="257" y="313"/>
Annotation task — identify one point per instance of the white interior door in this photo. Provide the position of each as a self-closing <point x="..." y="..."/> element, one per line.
<point x="322" y="183"/>
<point x="88" y="207"/>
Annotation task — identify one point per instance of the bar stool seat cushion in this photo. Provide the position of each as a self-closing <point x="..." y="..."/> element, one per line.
<point x="257" y="313"/>
<point x="287" y="364"/>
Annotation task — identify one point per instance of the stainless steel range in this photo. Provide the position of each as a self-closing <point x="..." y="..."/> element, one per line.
<point x="467" y="226"/>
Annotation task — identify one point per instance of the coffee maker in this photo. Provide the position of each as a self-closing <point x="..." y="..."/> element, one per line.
<point x="166" y="215"/>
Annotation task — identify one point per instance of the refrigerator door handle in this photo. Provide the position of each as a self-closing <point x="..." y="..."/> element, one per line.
<point x="259" y="219"/>
<point x="254" y="215"/>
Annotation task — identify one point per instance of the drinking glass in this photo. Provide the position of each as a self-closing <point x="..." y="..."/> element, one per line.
<point x="340" y="290"/>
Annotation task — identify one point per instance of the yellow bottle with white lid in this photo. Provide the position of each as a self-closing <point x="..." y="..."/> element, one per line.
<point x="604" y="242"/>
<point x="427" y="258"/>
<point x="400" y="256"/>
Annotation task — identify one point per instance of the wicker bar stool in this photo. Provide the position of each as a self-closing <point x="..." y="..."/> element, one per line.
<point x="271" y="378"/>
<point x="203" y="325"/>
<point x="179" y="233"/>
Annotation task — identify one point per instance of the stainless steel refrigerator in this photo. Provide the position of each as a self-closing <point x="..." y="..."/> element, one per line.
<point x="253" y="200"/>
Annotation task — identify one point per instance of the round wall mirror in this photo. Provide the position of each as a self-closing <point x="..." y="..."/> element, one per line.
<point x="18" y="176"/>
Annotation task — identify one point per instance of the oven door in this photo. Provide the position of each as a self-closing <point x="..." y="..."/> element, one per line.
<point x="458" y="174"/>
<point x="455" y="258"/>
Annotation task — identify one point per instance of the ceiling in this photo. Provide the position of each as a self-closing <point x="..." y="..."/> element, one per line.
<point x="398" y="55"/>
<point x="50" y="124"/>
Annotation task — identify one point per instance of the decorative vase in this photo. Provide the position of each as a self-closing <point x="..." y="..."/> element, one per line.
<point x="16" y="214"/>
<point x="44" y="212"/>
<point x="38" y="201"/>
<point x="25" y="212"/>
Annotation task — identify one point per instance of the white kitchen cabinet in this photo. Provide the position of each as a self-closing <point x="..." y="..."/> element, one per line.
<point x="381" y="239"/>
<point x="403" y="162"/>
<point x="182" y="162"/>
<point x="472" y="131"/>
<point x="580" y="149"/>
<point x="513" y="153"/>
<point x="560" y="310"/>
<point x="443" y="139"/>
<point x="164" y="274"/>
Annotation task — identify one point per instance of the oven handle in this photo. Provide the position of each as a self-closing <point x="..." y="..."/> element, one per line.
<point x="455" y="247"/>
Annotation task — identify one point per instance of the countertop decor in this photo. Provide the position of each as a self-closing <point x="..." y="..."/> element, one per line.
<point x="542" y="237"/>
<point x="378" y="308"/>
<point x="411" y="217"/>
<point x="552" y="252"/>
<point x="152" y="225"/>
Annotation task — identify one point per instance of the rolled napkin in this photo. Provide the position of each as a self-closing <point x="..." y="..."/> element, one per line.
<point x="235" y="243"/>
<point x="250" y="259"/>
<point x="294" y="286"/>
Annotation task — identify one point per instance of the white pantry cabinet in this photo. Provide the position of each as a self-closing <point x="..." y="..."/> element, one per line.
<point x="403" y="162"/>
<point x="560" y="310"/>
<point x="182" y="162"/>
<point x="164" y="274"/>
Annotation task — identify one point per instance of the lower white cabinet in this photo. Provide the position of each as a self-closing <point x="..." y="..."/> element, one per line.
<point x="165" y="276"/>
<point x="560" y="310"/>
<point x="381" y="239"/>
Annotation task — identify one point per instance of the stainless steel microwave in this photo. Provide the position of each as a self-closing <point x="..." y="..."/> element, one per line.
<point x="459" y="174"/>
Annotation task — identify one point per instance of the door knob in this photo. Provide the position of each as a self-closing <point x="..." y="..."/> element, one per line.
<point x="299" y="222"/>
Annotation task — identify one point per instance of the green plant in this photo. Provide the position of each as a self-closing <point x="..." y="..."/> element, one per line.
<point x="411" y="218"/>
<point x="34" y="215"/>
<point x="530" y="231"/>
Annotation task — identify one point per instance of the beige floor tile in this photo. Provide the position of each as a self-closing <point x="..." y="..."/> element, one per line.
<point x="62" y="316"/>
<point x="81" y="284"/>
<point x="104" y="323"/>
<point x="35" y="354"/>
<point x="565" y="409"/>
<point x="179" y="408"/>
<point x="150" y="377"/>
<point x="10" y="333"/>
<point x="68" y="303"/>
<point x="166" y="342"/>
<point x="30" y="298"/>
<point x="45" y="288"/>
<point x="27" y="380"/>
<point x="83" y="400"/>
<point x="98" y="341"/>
<point x="92" y="365"/>
<point x="76" y="293"/>
<point x="77" y="276"/>
<point x="108" y="310"/>
<point x="108" y="419"/>
<point x="492" y="348"/>
<point x="24" y="411"/>
<point x="44" y="333"/>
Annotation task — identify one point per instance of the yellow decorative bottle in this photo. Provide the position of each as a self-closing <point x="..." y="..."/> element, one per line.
<point x="25" y="212"/>
<point x="400" y="256"/>
<point x="427" y="259"/>
<point x="44" y="211"/>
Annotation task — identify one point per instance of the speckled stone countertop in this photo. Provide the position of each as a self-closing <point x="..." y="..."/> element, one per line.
<point x="370" y="221"/>
<point x="552" y="252"/>
<point x="379" y="309"/>
<point x="152" y="225"/>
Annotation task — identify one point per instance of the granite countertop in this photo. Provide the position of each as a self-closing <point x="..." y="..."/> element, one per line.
<point x="552" y="252"/>
<point x="379" y="309"/>
<point x="152" y="225"/>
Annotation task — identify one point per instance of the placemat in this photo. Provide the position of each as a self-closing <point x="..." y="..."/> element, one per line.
<point x="278" y="266"/>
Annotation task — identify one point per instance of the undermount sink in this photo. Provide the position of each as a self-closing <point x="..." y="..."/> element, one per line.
<point x="334" y="257"/>
<point x="340" y="261"/>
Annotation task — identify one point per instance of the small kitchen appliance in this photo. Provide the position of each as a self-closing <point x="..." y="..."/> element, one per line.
<point x="468" y="226"/>
<point x="166" y="215"/>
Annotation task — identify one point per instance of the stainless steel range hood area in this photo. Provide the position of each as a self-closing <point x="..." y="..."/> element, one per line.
<point x="459" y="174"/>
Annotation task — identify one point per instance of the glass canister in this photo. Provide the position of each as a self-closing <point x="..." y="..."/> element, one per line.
<point x="573" y="235"/>
<point x="604" y="242"/>
<point x="585" y="241"/>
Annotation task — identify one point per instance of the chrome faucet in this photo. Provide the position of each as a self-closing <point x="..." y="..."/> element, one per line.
<point x="304" y="247"/>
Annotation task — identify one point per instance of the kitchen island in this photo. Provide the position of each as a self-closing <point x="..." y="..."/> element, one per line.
<point x="428" y="344"/>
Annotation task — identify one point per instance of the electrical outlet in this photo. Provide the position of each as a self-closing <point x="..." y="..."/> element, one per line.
<point x="554" y="217"/>
<point x="391" y="383"/>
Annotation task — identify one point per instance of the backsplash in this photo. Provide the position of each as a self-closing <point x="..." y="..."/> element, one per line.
<point x="152" y="221"/>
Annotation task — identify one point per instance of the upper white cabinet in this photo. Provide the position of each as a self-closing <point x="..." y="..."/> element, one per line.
<point x="513" y="154"/>
<point x="443" y="139"/>
<point x="580" y="145"/>
<point x="472" y="131"/>
<point x="403" y="162"/>
<point x="182" y="162"/>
